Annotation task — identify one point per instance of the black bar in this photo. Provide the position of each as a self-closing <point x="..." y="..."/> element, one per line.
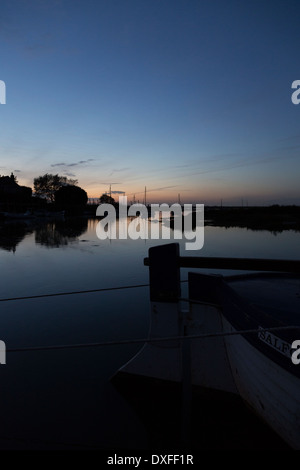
<point x="247" y="264"/>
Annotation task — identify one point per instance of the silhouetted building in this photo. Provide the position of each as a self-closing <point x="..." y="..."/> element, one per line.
<point x="11" y="191"/>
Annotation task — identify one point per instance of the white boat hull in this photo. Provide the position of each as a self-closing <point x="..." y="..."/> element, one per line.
<point x="271" y="391"/>
<point x="206" y="358"/>
<point x="233" y="357"/>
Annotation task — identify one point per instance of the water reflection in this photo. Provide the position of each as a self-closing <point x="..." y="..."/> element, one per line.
<point x="50" y="233"/>
<point x="59" y="233"/>
<point x="55" y="233"/>
<point x="12" y="233"/>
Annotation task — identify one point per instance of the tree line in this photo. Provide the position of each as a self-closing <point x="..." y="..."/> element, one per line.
<point x="52" y="189"/>
<point x="60" y="190"/>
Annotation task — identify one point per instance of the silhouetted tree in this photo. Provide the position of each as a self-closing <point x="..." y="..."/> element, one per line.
<point x="48" y="184"/>
<point x="70" y="196"/>
<point x="106" y="199"/>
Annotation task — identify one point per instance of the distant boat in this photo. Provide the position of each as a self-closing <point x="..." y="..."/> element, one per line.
<point x="241" y="327"/>
<point x="33" y="215"/>
<point x="49" y="213"/>
<point x="17" y="215"/>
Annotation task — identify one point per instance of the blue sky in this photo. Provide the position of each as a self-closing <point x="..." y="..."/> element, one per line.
<point x="183" y="97"/>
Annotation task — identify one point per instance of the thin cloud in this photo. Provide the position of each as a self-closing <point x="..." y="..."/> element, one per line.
<point x="119" y="170"/>
<point x="243" y="163"/>
<point x="67" y="165"/>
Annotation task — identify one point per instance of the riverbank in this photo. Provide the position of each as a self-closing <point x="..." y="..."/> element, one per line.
<point x="273" y="218"/>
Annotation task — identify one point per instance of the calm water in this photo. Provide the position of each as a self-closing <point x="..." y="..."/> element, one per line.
<point x="63" y="398"/>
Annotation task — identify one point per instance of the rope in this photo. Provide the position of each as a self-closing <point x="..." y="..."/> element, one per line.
<point x="56" y="294"/>
<point x="72" y="293"/>
<point x="151" y="340"/>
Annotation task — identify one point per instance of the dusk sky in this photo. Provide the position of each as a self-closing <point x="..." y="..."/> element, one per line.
<point x="189" y="97"/>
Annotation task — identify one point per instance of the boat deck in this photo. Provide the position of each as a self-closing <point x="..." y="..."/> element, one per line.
<point x="278" y="295"/>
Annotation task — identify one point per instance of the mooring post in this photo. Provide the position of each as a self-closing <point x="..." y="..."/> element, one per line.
<point x="165" y="287"/>
<point x="186" y="384"/>
<point x="164" y="272"/>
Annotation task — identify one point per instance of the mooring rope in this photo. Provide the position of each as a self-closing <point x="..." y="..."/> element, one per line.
<point x="57" y="294"/>
<point x="152" y="340"/>
<point x="89" y="291"/>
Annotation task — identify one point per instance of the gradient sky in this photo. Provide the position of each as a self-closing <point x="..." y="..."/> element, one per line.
<point x="189" y="97"/>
